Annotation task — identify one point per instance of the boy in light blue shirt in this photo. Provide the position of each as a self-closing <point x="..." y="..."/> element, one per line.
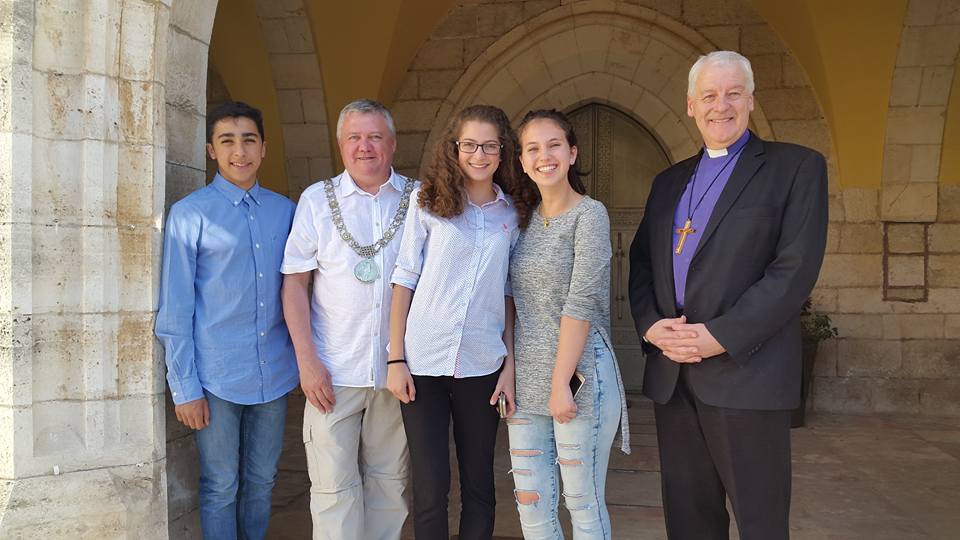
<point x="230" y="362"/>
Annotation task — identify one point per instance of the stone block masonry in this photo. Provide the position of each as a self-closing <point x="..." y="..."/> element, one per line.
<point x="102" y="109"/>
<point x="82" y="439"/>
<point x="299" y="85"/>
<point x="889" y="278"/>
<point x="899" y="343"/>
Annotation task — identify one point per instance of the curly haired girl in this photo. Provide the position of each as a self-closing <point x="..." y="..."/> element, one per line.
<point x="451" y="319"/>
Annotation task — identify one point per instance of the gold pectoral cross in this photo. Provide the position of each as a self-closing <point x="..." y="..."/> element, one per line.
<point x="687" y="229"/>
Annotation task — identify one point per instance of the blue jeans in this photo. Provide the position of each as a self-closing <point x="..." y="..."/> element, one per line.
<point x="581" y="448"/>
<point x="239" y="452"/>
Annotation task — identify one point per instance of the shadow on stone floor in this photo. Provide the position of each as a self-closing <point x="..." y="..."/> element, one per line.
<point x="876" y="477"/>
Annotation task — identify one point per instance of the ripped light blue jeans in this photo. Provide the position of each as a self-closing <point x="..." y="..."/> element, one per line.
<point x="579" y="450"/>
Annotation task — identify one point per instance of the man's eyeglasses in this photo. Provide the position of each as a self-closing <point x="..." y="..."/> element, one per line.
<point x="469" y="147"/>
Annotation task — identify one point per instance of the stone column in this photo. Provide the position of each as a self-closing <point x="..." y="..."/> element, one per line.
<point x="81" y="195"/>
<point x="187" y="50"/>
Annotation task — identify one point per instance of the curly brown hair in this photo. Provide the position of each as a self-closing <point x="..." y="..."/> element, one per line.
<point x="526" y="192"/>
<point x="443" y="189"/>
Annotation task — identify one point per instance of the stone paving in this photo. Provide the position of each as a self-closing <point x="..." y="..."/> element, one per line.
<point x="855" y="477"/>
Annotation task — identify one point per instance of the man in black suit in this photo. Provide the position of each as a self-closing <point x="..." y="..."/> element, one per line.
<point x="729" y="248"/>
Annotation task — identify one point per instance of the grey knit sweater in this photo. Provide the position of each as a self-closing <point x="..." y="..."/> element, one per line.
<point x="560" y="269"/>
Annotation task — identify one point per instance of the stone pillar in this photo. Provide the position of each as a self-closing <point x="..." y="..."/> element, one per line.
<point x="186" y="51"/>
<point x="82" y="445"/>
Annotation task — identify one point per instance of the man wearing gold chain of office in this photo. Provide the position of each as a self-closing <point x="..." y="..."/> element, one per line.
<point x="345" y="237"/>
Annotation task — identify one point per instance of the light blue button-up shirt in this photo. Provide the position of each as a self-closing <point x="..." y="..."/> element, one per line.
<point x="220" y="317"/>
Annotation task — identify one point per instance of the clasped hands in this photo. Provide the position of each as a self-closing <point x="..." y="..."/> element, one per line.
<point x="682" y="342"/>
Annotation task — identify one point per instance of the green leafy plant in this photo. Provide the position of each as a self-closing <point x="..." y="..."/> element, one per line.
<point x="814" y="325"/>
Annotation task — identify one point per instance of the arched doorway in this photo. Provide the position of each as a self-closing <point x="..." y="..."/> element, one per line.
<point x="622" y="157"/>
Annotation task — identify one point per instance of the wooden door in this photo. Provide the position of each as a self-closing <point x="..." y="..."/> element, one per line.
<point x="621" y="157"/>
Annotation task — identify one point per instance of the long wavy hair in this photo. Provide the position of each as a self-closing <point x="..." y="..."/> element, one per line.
<point x="526" y="192"/>
<point x="443" y="186"/>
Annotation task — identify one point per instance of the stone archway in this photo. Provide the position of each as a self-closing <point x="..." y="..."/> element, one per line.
<point x="625" y="57"/>
<point x="614" y="52"/>
<point x="634" y="58"/>
<point x="925" y="68"/>
<point x="909" y="201"/>
<point x="289" y="42"/>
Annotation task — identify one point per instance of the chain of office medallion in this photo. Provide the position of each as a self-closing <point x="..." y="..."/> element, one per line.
<point x="370" y="250"/>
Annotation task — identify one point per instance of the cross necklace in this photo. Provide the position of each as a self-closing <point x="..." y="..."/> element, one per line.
<point x="687" y="228"/>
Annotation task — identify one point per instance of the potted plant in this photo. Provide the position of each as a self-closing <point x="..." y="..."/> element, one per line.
<point x="814" y="328"/>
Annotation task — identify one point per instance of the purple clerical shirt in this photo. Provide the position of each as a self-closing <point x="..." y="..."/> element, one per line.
<point x="708" y="170"/>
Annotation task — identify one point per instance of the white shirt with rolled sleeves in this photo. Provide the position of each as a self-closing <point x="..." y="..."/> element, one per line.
<point x="349" y="319"/>
<point x="458" y="269"/>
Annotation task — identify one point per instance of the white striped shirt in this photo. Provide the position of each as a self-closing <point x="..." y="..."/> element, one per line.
<point x="458" y="271"/>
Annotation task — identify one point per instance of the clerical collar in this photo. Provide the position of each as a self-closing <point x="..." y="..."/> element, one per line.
<point x="721" y="152"/>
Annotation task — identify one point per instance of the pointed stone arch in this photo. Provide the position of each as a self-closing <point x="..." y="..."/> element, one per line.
<point x="623" y="55"/>
<point x="298" y="83"/>
<point x="924" y="72"/>
<point x="632" y="57"/>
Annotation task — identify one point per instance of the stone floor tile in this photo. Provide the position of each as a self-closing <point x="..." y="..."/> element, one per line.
<point x="640" y="458"/>
<point x="628" y="488"/>
<point x="291" y="521"/>
<point x="949" y="448"/>
<point x="843" y="504"/>
<point x="945" y="436"/>
<point x="642" y="429"/>
<point x="854" y="476"/>
<point x="289" y="486"/>
<point x="643" y="439"/>
<point x="637" y="522"/>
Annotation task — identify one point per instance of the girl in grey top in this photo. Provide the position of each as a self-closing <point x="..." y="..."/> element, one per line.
<point x="560" y="272"/>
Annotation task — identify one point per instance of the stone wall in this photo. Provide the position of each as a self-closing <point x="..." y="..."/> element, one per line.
<point x="102" y="106"/>
<point x="632" y="55"/>
<point x="296" y="79"/>
<point x="891" y="279"/>
<point x="296" y="76"/>
<point x="81" y="195"/>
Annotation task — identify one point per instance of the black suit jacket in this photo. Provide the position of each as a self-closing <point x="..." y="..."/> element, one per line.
<point x="756" y="263"/>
